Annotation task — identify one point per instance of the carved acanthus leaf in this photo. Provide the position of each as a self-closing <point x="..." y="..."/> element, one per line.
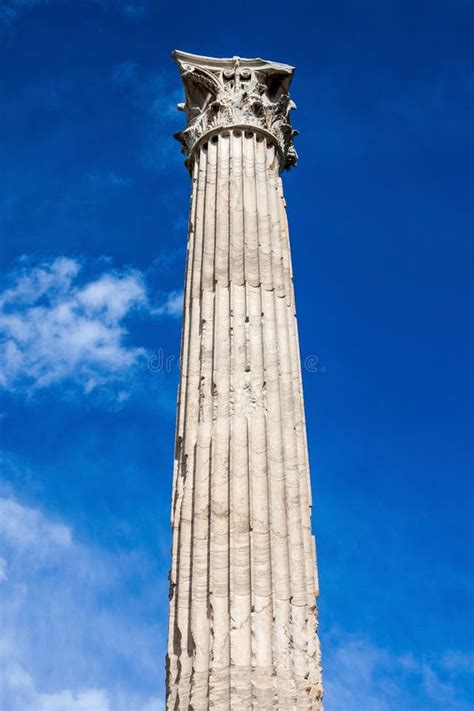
<point x="236" y="92"/>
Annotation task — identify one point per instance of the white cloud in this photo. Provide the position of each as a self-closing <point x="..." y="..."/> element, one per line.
<point x="23" y="695"/>
<point x="56" y="329"/>
<point x="112" y="296"/>
<point x="22" y="526"/>
<point x="173" y="305"/>
<point x="65" y="642"/>
<point x="32" y="283"/>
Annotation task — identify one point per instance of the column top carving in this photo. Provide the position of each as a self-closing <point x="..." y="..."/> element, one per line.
<point x="250" y="94"/>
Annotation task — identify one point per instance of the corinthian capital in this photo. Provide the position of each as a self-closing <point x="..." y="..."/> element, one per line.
<point x="250" y="94"/>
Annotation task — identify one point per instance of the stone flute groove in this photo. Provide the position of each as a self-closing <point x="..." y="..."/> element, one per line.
<point x="243" y="580"/>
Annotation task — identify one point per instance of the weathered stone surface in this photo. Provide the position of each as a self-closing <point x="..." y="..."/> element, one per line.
<point x="234" y="92"/>
<point x="243" y="616"/>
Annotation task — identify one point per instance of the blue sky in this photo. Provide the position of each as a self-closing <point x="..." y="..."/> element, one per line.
<point x="93" y="207"/>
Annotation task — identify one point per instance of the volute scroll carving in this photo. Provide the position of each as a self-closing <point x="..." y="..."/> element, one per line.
<point x="225" y="93"/>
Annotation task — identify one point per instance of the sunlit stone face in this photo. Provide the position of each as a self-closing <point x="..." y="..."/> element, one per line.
<point x="237" y="92"/>
<point x="243" y="615"/>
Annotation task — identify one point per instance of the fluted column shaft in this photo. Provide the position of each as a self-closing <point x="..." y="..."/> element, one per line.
<point x="243" y="621"/>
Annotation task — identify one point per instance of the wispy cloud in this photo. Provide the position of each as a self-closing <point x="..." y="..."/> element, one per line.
<point x="172" y="306"/>
<point x="3" y="569"/>
<point x="22" y="694"/>
<point x="23" y="527"/>
<point x="155" y="95"/>
<point x="167" y="260"/>
<point x="156" y="92"/>
<point x="425" y="110"/>
<point x="125" y="74"/>
<point x="110" y="180"/>
<point x="10" y="10"/>
<point x="361" y="674"/>
<point x="56" y="328"/>
<point x="61" y="648"/>
<point x="134" y="8"/>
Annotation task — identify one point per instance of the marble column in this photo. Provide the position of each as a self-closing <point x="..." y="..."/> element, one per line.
<point x="243" y="582"/>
